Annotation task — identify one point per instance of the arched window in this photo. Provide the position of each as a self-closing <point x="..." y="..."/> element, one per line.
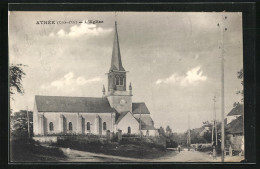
<point x="129" y="130"/>
<point x="121" y="80"/>
<point x="104" y="126"/>
<point x="70" y="126"/>
<point x="117" y="80"/>
<point x="88" y="125"/>
<point x="51" y="126"/>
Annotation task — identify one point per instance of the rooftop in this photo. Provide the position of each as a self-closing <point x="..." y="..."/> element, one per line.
<point x="140" y="108"/>
<point x="72" y="104"/>
<point x="238" y="110"/>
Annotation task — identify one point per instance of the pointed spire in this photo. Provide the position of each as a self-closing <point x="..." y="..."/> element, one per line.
<point x="116" y="63"/>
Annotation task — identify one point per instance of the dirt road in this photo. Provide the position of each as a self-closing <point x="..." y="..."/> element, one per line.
<point x="183" y="156"/>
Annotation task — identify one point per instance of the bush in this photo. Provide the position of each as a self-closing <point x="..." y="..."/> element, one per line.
<point x="128" y="147"/>
<point x="27" y="150"/>
<point x="171" y="144"/>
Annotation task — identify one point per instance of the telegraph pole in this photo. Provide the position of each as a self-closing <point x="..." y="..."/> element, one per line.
<point x="140" y="126"/>
<point x="188" y="133"/>
<point x="223" y="29"/>
<point x="215" y="121"/>
<point x="28" y="122"/>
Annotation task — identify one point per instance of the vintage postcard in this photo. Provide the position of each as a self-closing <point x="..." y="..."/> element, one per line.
<point x="126" y="86"/>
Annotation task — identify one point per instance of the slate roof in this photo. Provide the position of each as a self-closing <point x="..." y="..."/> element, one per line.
<point x="238" y="110"/>
<point x="147" y="127"/>
<point x="140" y="108"/>
<point x="72" y="104"/>
<point x="121" y="116"/>
<point x="146" y="123"/>
<point x="236" y="126"/>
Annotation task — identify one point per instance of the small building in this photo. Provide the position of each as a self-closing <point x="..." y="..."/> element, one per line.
<point x="235" y="131"/>
<point x="114" y="111"/>
<point x="235" y="113"/>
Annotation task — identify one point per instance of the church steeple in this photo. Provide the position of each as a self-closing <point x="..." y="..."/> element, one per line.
<point x="116" y="74"/>
<point x="119" y="98"/>
<point x="116" y="63"/>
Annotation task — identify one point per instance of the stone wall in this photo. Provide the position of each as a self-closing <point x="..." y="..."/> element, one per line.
<point x="46" y="139"/>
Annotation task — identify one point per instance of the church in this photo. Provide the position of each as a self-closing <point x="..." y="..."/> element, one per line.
<point x="114" y="111"/>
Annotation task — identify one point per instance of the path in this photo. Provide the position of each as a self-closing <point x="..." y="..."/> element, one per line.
<point x="183" y="156"/>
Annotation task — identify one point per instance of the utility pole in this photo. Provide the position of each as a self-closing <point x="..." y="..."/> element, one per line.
<point x="140" y="125"/>
<point x="215" y="121"/>
<point x="28" y="123"/>
<point x="188" y="133"/>
<point x="223" y="29"/>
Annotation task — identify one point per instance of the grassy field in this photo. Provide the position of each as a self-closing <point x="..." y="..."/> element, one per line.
<point x="23" y="150"/>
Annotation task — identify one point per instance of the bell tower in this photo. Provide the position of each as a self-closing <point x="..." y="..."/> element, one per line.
<point x="118" y="97"/>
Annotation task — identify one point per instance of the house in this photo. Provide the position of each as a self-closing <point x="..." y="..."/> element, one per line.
<point x="235" y="113"/>
<point x="112" y="112"/>
<point x="235" y="131"/>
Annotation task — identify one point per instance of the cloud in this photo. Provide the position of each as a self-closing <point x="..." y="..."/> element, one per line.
<point x="197" y="56"/>
<point x="84" y="29"/>
<point x="192" y="77"/>
<point x="69" y="81"/>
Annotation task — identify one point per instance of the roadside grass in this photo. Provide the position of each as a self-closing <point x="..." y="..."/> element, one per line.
<point x="24" y="150"/>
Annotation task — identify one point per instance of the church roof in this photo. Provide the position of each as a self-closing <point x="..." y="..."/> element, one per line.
<point x="147" y="127"/>
<point x="140" y="108"/>
<point x="238" y="110"/>
<point x="72" y="104"/>
<point x="121" y="116"/>
<point x="146" y="123"/>
<point x="116" y="63"/>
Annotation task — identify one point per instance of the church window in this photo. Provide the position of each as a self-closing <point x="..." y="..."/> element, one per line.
<point x="121" y="80"/>
<point x="51" y="126"/>
<point x="104" y="126"/>
<point x="70" y="126"/>
<point x="117" y="80"/>
<point x="88" y="125"/>
<point x="129" y="130"/>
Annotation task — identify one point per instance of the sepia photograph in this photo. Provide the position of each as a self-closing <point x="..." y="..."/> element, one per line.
<point x="126" y="87"/>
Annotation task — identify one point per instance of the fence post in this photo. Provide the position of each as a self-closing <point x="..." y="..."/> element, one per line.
<point x="108" y="135"/>
<point x="119" y="135"/>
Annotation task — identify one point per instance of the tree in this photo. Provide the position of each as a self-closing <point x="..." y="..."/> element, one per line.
<point x="168" y="131"/>
<point x="240" y="75"/>
<point x="161" y="131"/>
<point x="16" y="77"/>
<point x="19" y="123"/>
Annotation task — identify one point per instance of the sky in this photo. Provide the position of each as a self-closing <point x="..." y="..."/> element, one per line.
<point x="173" y="59"/>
